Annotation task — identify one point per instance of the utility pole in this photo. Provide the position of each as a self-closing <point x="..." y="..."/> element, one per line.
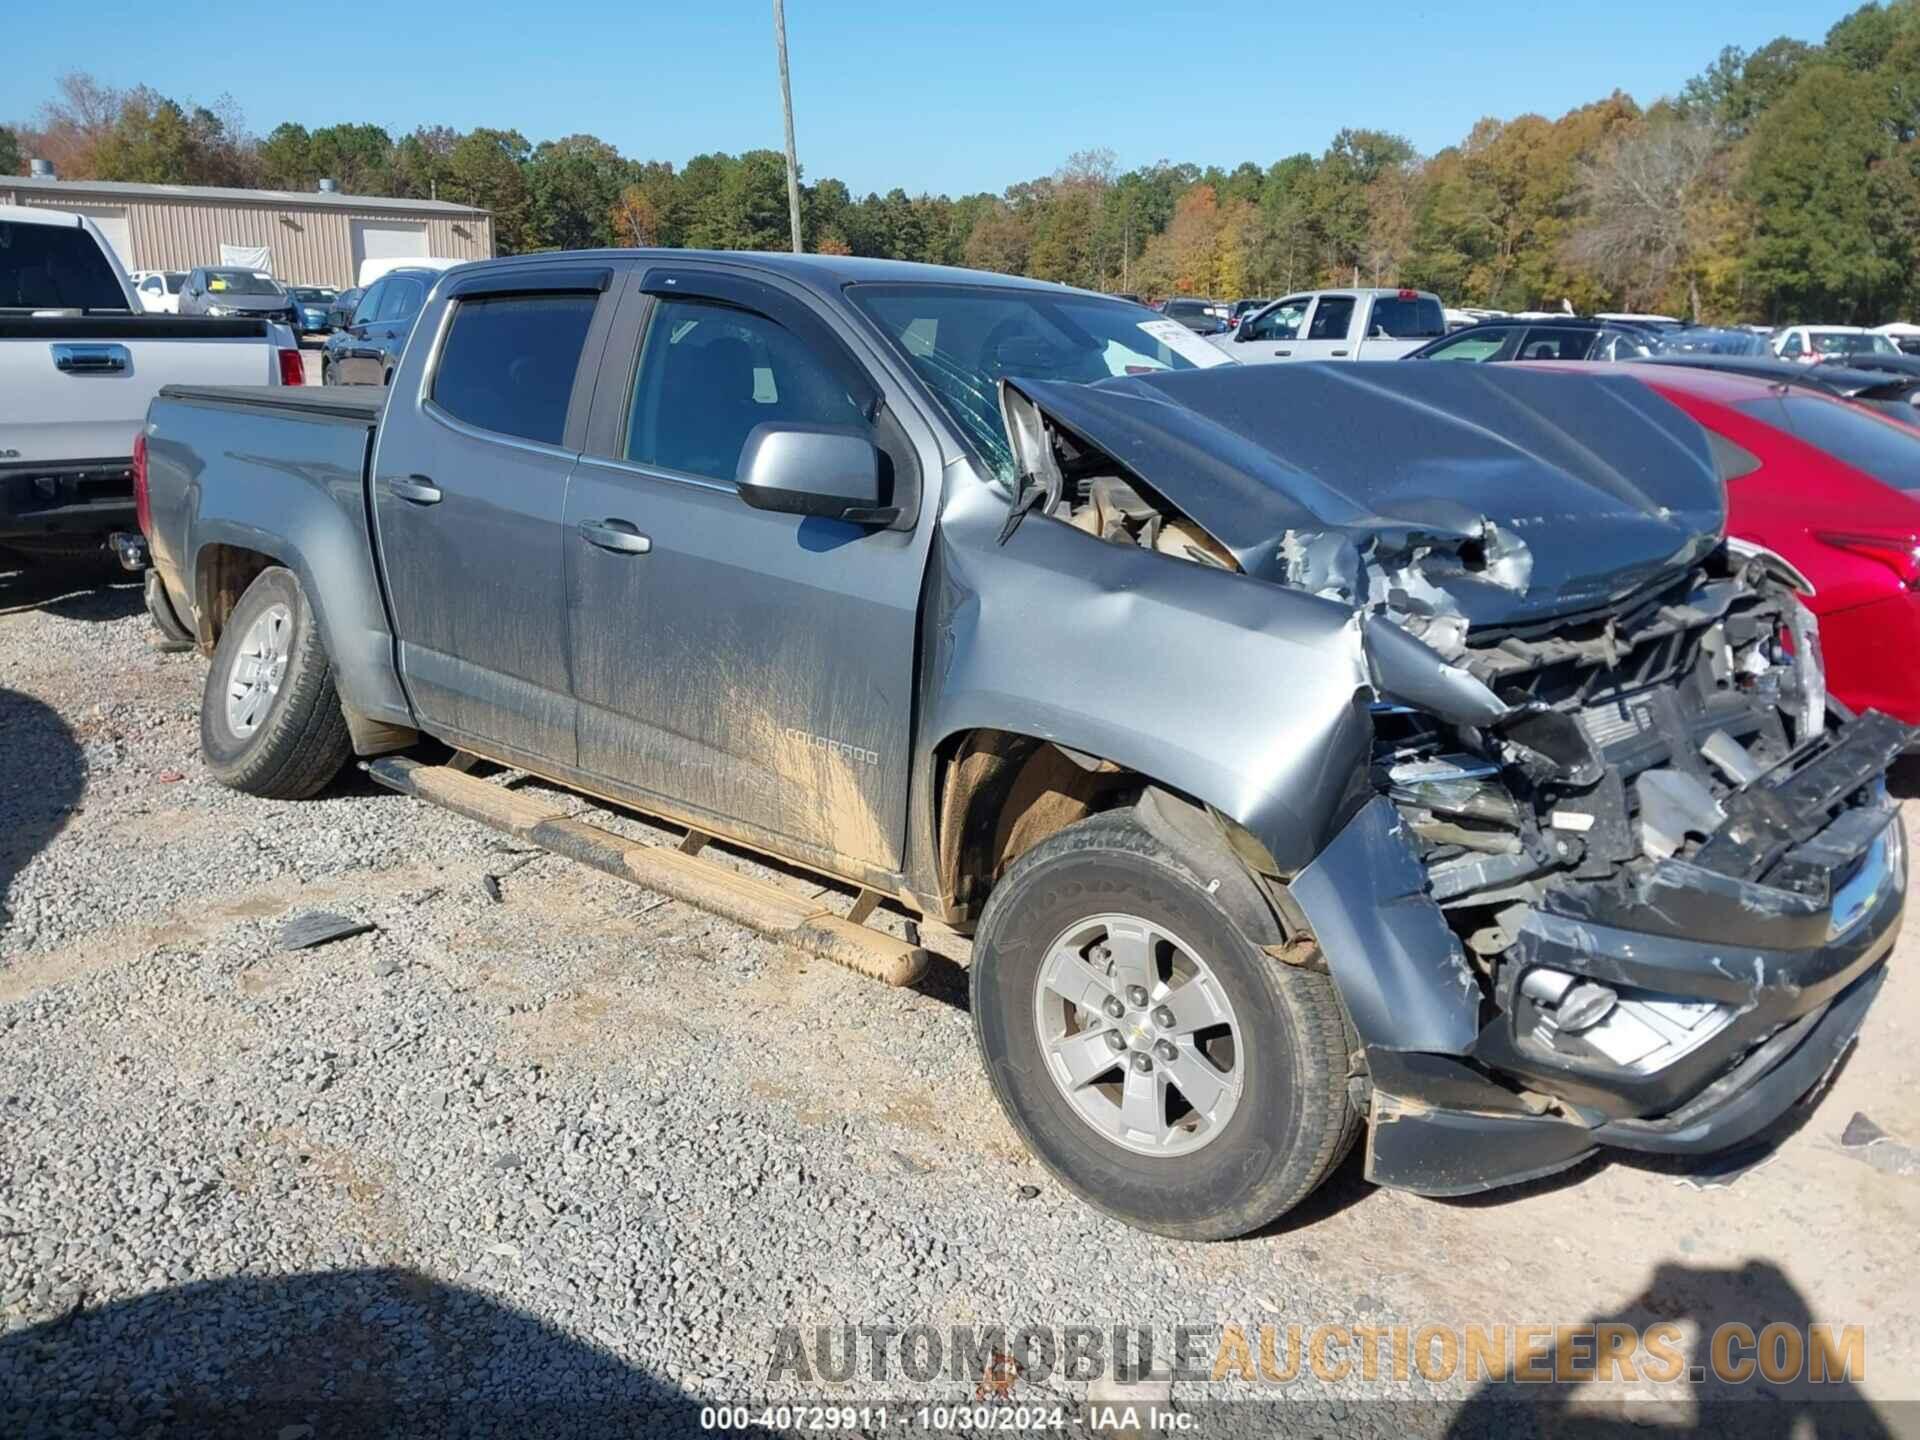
<point x="786" y="106"/>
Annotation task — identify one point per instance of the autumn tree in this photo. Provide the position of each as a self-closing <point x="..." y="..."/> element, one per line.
<point x="1639" y="227"/>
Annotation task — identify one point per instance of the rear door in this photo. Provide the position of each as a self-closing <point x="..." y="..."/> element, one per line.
<point x="743" y="670"/>
<point x="469" y="495"/>
<point x="1329" y="329"/>
<point x="1272" y="333"/>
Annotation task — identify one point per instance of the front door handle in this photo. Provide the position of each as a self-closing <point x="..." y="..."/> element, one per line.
<point x="416" y="488"/>
<point x="1339" y="353"/>
<point x="615" y="535"/>
<point x="1283" y="352"/>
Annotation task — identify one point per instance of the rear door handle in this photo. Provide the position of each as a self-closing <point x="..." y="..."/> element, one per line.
<point x="416" y="488"/>
<point x="1339" y="353"/>
<point x="616" y="535"/>
<point x="1283" y="352"/>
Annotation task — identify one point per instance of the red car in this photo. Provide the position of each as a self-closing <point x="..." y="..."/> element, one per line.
<point x="1835" y="490"/>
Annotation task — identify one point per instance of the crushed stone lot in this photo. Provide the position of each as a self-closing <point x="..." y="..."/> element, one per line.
<point x="565" y="1162"/>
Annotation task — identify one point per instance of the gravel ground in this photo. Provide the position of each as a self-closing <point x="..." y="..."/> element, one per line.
<point x="565" y="1162"/>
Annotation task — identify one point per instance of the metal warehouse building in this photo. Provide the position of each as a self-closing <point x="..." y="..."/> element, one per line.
<point x="316" y="238"/>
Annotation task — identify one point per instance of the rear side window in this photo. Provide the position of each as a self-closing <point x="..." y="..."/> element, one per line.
<point x="1332" y="318"/>
<point x="710" y="373"/>
<point x="509" y="362"/>
<point x="55" y="267"/>
<point x="1399" y="317"/>
<point x="1879" y="447"/>
<point x="369" y="305"/>
<point x="1550" y="344"/>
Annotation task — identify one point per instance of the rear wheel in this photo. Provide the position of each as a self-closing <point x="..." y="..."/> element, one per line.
<point x="270" y="721"/>
<point x="1157" y="1061"/>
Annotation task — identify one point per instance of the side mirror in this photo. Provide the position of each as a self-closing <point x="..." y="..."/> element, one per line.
<point x="831" y="471"/>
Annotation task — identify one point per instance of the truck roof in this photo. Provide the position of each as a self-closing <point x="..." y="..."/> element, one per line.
<point x="821" y="272"/>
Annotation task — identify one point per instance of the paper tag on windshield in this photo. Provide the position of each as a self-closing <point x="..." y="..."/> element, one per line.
<point x="1184" y="343"/>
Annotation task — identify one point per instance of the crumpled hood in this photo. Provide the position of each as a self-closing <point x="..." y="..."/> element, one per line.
<point x="1485" y="493"/>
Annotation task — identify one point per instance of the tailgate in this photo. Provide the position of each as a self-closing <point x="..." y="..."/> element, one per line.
<point x="76" y="389"/>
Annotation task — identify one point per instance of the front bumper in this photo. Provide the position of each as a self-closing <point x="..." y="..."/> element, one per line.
<point x="1741" y="974"/>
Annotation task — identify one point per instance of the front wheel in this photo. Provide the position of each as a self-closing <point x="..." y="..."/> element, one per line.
<point x="1154" y="1058"/>
<point x="270" y="721"/>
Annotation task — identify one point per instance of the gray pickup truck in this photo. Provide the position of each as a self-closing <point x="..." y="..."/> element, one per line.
<point x="1305" y="748"/>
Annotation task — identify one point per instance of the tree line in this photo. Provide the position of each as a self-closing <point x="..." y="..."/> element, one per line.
<point x="1782" y="183"/>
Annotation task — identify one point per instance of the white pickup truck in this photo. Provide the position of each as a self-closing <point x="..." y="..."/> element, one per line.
<point x="79" y="362"/>
<point x="1337" y="325"/>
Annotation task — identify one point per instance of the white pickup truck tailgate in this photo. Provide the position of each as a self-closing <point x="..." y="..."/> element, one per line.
<point x="79" y="389"/>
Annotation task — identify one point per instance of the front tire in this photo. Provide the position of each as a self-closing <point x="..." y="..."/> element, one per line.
<point x="1225" y="1102"/>
<point x="270" y="720"/>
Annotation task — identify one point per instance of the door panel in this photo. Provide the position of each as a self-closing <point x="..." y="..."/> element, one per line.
<point x="1273" y="333"/>
<point x="750" y="668"/>
<point x="1328" y="333"/>
<point x="470" y="494"/>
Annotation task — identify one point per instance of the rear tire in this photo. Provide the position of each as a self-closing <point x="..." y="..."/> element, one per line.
<point x="1288" y="1121"/>
<point x="270" y="720"/>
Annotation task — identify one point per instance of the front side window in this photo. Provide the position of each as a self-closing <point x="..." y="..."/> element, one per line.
<point x="1282" y="322"/>
<point x="1331" y="318"/>
<point x="509" y="362"/>
<point x="1471" y="346"/>
<point x="369" y="306"/>
<point x="710" y="373"/>
<point x="402" y="300"/>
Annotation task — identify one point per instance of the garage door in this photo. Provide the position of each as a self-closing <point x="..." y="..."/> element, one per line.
<point x="387" y="240"/>
<point x="113" y="224"/>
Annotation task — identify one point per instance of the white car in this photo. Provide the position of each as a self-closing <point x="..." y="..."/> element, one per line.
<point x="158" y="290"/>
<point x="1365" y="324"/>
<point x="79" y="362"/>
<point x="1810" y="344"/>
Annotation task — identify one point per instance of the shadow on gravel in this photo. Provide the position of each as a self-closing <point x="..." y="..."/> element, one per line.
<point x="1753" y="1296"/>
<point x="349" y="1353"/>
<point x="42" y="773"/>
<point x="74" y="587"/>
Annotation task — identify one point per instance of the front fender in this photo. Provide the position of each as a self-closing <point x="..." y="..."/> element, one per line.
<point x="1247" y="696"/>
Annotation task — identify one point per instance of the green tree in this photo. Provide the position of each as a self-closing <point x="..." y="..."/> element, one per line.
<point x="1832" y="203"/>
<point x="11" y="162"/>
<point x="485" y="169"/>
<point x="572" y="186"/>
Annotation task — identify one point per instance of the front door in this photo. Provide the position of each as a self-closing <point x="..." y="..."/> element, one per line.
<point x="470" y="491"/>
<point x="353" y="359"/>
<point x="737" y="667"/>
<point x="1272" y="333"/>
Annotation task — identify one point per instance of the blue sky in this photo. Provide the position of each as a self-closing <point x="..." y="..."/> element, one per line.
<point x="955" y="98"/>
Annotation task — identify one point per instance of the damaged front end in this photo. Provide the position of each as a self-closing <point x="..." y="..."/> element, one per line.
<point x="1641" y="887"/>
<point x="1621" y="879"/>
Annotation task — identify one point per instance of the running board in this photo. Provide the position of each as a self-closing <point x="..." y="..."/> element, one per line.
<point x="797" y="919"/>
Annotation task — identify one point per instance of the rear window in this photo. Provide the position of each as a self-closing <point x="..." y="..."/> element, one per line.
<point x="1879" y="447"/>
<point x="1401" y="318"/>
<point x="509" y="363"/>
<point x="242" y="282"/>
<point x="55" y="267"/>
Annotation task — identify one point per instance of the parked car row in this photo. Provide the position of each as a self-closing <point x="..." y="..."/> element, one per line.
<point x="1467" y="788"/>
